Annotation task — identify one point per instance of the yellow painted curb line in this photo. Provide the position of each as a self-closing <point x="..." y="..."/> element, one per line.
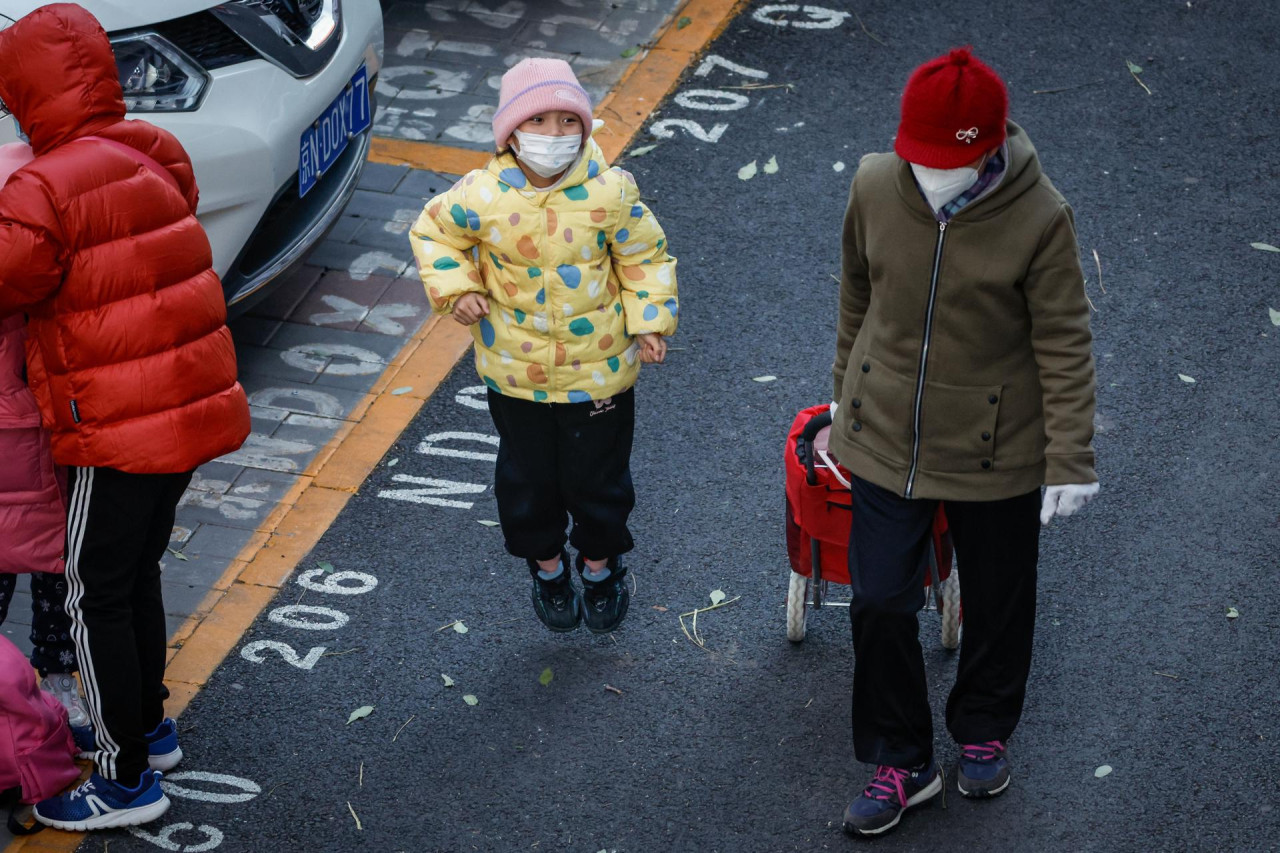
<point x="296" y="524"/>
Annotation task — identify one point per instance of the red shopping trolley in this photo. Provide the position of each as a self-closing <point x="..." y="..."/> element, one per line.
<point x="818" y="507"/>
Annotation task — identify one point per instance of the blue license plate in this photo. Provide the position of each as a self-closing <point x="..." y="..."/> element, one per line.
<point x="327" y="138"/>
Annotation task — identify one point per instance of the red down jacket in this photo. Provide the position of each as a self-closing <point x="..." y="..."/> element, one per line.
<point x="128" y="354"/>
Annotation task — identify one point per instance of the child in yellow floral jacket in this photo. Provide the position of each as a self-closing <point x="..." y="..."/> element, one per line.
<point x="564" y="277"/>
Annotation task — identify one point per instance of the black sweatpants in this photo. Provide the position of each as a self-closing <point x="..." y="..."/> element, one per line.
<point x="118" y="526"/>
<point x="562" y="460"/>
<point x="52" y="650"/>
<point x="996" y="547"/>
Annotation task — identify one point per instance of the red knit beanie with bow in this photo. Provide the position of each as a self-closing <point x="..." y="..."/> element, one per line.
<point x="953" y="109"/>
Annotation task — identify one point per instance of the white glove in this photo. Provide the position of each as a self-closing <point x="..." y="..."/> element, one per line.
<point x="834" y="406"/>
<point x="1065" y="500"/>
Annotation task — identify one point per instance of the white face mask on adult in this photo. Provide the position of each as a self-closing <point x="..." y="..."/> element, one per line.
<point x="943" y="185"/>
<point x="547" y="155"/>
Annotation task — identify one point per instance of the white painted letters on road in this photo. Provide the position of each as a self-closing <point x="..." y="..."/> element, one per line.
<point x="714" y="100"/>
<point x="713" y="61"/>
<point x="432" y="491"/>
<point x="291" y="616"/>
<point x="666" y="129"/>
<point x="431" y="445"/>
<point x="812" y="17"/>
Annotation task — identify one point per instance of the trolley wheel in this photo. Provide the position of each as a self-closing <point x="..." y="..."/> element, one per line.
<point x="951" y="612"/>
<point x="798" y="596"/>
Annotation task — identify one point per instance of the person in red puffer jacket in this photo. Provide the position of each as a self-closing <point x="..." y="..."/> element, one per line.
<point x="132" y="364"/>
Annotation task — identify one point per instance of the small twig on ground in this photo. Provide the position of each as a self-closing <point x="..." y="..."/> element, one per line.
<point x="399" y="730"/>
<point x="354" y="815"/>
<point x="339" y="654"/>
<point x="450" y="625"/>
<point x="273" y="789"/>
<point x="1093" y="307"/>
<point x="751" y="87"/>
<point x="612" y="689"/>
<point x="1167" y="675"/>
<point x="870" y="34"/>
<point x="695" y="638"/>
<point x="1098" y="261"/>
<point x="360" y="780"/>
<point x="1058" y="89"/>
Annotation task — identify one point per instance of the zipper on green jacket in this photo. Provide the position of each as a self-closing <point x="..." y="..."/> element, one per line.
<point x="924" y="362"/>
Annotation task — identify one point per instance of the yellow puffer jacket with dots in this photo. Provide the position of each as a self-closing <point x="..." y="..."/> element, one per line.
<point x="571" y="275"/>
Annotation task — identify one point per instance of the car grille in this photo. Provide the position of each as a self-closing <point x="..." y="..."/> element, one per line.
<point x="207" y="40"/>
<point x="298" y="15"/>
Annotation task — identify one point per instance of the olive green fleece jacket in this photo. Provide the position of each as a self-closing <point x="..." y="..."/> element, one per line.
<point x="964" y="364"/>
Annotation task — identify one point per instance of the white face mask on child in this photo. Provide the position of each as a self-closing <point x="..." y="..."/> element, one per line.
<point x="547" y="155"/>
<point x="943" y="185"/>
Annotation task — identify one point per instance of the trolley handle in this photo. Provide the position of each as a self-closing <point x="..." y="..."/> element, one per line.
<point x="816" y="424"/>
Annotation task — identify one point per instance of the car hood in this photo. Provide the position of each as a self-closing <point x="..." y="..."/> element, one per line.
<point x="117" y="14"/>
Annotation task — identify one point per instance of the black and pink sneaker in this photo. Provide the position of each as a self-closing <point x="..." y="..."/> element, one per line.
<point x="891" y="792"/>
<point x="983" y="770"/>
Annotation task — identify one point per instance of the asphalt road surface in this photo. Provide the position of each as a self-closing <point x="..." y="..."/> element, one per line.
<point x="644" y="741"/>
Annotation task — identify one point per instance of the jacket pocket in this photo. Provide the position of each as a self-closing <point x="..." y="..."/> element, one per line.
<point x="880" y="408"/>
<point x="958" y="427"/>
<point x="28" y="463"/>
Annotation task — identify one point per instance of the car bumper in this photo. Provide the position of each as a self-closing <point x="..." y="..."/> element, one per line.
<point x="244" y="143"/>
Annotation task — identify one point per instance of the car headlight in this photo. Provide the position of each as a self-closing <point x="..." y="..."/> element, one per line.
<point x="156" y="76"/>
<point x="326" y="20"/>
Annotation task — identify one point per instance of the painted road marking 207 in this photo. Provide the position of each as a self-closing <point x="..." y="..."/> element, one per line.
<point x="725" y="100"/>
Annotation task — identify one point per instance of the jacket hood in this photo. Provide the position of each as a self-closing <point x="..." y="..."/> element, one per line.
<point x="1022" y="173"/>
<point x="58" y="75"/>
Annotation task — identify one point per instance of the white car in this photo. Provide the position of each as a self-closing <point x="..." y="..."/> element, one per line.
<point x="273" y="100"/>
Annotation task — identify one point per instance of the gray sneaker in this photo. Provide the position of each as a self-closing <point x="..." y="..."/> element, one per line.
<point x="64" y="687"/>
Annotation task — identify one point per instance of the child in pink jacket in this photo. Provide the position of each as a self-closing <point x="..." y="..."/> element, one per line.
<point x="33" y="512"/>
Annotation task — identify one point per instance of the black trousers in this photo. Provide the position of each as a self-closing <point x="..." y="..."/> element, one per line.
<point x="52" y="650"/>
<point x="558" y="461"/>
<point x="118" y="526"/>
<point x="997" y="547"/>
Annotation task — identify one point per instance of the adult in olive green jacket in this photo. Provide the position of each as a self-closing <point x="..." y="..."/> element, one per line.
<point x="963" y="364"/>
<point x="963" y="374"/>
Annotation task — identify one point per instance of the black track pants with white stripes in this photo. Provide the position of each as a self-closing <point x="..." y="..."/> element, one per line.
<point x="118" y="526"/>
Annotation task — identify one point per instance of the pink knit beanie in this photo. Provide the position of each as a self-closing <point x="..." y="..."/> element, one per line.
<point x="535" y="86"/>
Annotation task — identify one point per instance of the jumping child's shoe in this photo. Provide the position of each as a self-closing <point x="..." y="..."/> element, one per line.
<point x="556" y="601"/>
<point x="99" y="803"/>
<point x="890" y="793"/>
<point x="983" y="770"/>
<point x="605" y="596"/>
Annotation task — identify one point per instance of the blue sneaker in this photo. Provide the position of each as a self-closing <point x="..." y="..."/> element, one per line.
<point x="100" y="804"/>
<point x="163" y="752"/>
<point x="983" y="770"/>
<point x="891" y="792"/>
